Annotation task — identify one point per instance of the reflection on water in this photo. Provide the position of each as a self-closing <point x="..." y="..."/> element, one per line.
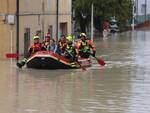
<point x="120" y="87"/>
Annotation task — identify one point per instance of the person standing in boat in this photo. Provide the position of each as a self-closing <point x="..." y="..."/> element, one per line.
<point x="52" y="46"/>
<point x="85" y="46"/>
<point x="35" y="47"/>
<point x="71" y="52"/>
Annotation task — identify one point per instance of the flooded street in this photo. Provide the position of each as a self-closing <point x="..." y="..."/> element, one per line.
<point x="122" y="86"/>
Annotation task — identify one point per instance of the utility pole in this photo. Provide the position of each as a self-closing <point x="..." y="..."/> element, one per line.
<point x="92" y="21"/>
<point x="133" y="14"/>
<point x="17" y="30"/>
<point x="43" y="11"/>
<point x="57" y="19"/>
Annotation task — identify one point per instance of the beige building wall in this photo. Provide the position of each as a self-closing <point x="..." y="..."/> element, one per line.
<point x="36" y="15"/>
<point x="42" y="14"/>
<point x="6" y="7"/>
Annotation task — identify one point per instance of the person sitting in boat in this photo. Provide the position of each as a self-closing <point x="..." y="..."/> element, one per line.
<point x="52" y="46"/>
<point x="71" y="52"/>
<point x="85" y="47"/>
<point x="46" y="41"/>
<point x="61" y="45"/>
<point x="35" y="47"/>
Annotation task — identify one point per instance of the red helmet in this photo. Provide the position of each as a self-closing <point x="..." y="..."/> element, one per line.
<point x="48" y="35"/>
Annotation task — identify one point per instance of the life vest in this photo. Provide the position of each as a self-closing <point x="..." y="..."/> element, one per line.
<point x="35" y="47"/>
<point x="69" y="50"/>
<point x="78" y="44"/>
<point x="84" y="47"/>
<point x="92" y="46"/>
<point x="45" y="44"/>
<point x="61" y="46"/>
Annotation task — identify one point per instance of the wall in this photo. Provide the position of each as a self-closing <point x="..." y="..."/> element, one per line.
<point x="6" y="7"/>
<point x="33" y="18"/>
<point x="34" y="14"/>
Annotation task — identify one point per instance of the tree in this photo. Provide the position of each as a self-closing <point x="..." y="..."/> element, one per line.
<point x="82" y="12"/>
<point x="103" y="10"/>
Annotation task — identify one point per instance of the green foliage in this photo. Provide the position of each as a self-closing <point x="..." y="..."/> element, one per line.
<point x="103" y="10"/>
<point x="83" y="12"/>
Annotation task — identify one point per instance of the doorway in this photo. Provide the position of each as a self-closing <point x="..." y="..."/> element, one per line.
<point x="63" y="28"/>
<point x="26" y="41"/>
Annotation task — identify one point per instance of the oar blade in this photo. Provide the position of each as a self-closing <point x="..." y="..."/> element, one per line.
<point x="101" y="61"/>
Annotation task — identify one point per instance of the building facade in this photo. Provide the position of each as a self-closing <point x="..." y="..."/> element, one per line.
<point x="6" y="8"/>
<point x="142" y="10"/>
<point x="36" y="16"/>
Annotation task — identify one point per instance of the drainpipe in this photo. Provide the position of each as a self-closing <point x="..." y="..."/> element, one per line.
<point x="17" y="30"/>
<point x="43" y="21"/>
<point x="57" y="18"/>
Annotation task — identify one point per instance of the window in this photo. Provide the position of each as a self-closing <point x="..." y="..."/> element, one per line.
<point x="143" y="8"/>
<point x="48" y="4"/>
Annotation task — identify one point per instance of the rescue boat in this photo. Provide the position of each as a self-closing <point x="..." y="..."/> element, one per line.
<point x="50" y="60"/>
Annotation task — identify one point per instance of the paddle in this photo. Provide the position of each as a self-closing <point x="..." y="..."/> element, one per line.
<point x="99" y="60"/>
<point x="83" y="68"/>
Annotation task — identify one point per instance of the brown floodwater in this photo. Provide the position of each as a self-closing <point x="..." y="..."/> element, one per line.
<point x="122" y="86"/>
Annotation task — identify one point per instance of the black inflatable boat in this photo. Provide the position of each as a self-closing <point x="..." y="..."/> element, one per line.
<point x="50" y="60"/>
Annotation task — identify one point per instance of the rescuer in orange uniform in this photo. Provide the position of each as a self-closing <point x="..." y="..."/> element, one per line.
<point x="35" y="47"/>
<point x="85" y="46"/>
